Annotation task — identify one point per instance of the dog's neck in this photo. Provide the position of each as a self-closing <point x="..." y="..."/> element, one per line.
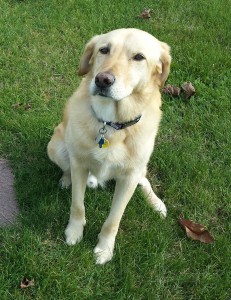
<point x="104" y="108"/>
<point x="116" y="111"/>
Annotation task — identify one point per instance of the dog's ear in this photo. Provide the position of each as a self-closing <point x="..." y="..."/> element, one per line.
<point x="163" y="68"/>
<point x="86" y="59"/>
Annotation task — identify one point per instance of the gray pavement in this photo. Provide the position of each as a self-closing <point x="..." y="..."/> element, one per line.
<point x="8" y="204"/>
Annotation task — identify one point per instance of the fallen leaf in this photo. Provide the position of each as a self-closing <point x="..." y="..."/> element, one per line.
<point x="27" y="106"/>
<point x="196" y="231"/>
<point x="171" y="90"/>
<point x="17" y="105"/>
<point x="25" y="283"/>
<point x="189" y="90"/>
<point x="146" y="14"/>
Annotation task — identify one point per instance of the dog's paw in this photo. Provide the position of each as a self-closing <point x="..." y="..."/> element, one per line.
<point x="160" y="207"/>
<point x="65" y="181"/>
<point x="156" y="203"/>
<point x="104" y="250"/>
<point x="74" y="233"/>
<point x="92" y="181"/>
<point x="102" y="255"/>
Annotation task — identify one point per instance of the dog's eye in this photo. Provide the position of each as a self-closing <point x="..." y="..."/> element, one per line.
<point x="138" y="57"/>
<point x="104" y="50"/>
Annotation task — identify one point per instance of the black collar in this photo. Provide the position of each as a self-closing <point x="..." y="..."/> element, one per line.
<point x="117" y="125"/>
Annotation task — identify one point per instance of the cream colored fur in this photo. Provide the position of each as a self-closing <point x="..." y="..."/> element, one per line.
<point x="134" y="92"/>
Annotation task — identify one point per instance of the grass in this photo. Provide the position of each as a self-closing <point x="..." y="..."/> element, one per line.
<point x="41" y="42"/>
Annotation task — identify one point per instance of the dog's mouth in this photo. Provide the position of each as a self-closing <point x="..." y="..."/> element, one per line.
<point x="115" y="91"/>
<point x="102" y="93"/>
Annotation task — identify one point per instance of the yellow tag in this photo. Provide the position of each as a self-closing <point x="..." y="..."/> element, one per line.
<point x="106" y="144"/>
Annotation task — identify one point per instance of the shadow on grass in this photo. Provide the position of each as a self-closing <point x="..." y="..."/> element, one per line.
<point x="44" y="206"/>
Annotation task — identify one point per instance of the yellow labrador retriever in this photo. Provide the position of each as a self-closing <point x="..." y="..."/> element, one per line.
<point x="109" y="127"/>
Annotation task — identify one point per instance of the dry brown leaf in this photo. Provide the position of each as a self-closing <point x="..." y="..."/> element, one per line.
<point x="25" y="283"/>
<point x="196" y="231"/>
<point x="171" y="90"/>
<point x="145" y="14"/>
<point x="27" y="106"/>
<point x="17" y="105"/>
<point x="189" y="90"/>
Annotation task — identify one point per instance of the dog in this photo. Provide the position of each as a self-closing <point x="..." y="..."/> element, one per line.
<point x="109" y="127"/>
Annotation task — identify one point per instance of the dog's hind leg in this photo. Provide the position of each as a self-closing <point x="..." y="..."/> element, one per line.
<point x="58" y="153"/>
<point x="155" y="202"/>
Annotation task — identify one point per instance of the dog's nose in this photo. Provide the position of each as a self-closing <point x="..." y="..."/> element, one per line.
<point x="104" y="79"/>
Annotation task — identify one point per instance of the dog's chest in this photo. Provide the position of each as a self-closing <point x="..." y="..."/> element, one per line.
<point x="105" y="163"/>
<point x="108" y="162"/>
<point x="85" y="146"/>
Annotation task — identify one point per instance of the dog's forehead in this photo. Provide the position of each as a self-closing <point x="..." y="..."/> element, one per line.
<point x="133" y="40"/>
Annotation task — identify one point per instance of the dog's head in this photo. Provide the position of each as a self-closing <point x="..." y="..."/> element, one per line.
<point x="123" y="62"/>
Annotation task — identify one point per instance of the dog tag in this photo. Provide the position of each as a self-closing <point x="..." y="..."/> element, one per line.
<point x="101" y="142"/>
<point x="105" y="144"/>
<point x="98" y="138"/>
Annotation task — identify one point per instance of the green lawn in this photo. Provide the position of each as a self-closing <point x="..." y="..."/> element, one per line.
<point x="40" y="45"/>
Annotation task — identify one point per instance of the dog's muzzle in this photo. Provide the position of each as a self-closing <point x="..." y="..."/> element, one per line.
<point x="103" y="82"/>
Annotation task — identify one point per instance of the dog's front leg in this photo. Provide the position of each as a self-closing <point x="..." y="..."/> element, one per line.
<point x="74" y="230"/>
<point x="124" y="190"/>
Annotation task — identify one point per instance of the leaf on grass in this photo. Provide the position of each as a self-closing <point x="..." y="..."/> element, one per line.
<point x="145" y="14"/>
<point x="27" y="106"/>
<point x="175" y="91"/>
<point x="171" y="90"/>
<point x="25" y="283"/>
<point x="189" y="90"/>
<point x="18" y="105"/>
<point x="196" y="231"/>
